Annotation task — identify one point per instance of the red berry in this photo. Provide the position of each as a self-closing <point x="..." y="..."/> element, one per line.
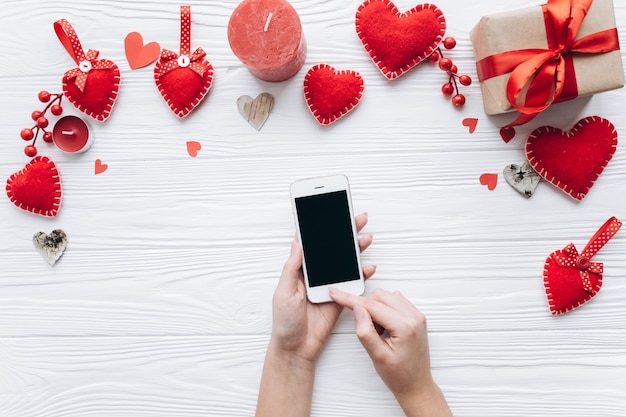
<point x="44" y="96"/>
<point x="458" y="100"/>
<point x="30" y="150"/>
<point x="42" y="122"/>
<point x="445" y="64"/>
<point x="27" y="133"/>
<point x="465" y="79"/>
<point x="447" y="89"/>
<point x="36" y="115"/>
<point x="449" y="42"/>
<point x="47" y="137"/>
<point x="453" y="69"/>
<point x="433" y="57"/>
<point x="56" y="109"/>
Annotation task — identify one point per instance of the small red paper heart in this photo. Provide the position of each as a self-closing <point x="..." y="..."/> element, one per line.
<point x="193" y="147"/>
<point x="507" y="133"/>
<point x="182" y="88"/>
<point x="100" y="91"/>
<point x="36" y="188"/>
<point x="331" y="94"/>
<point x="396" y="41"/>
<point x="471" y="123"/>
<point x="99" y="167"/>
<point x="573" y="160"/>
<point x="138" y="54"/>
<point x="490" y="180"/>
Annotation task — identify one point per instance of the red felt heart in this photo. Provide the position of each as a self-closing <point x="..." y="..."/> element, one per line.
<point x="572" y="279"/>
<point x="331" y="94"/>
<point x="396" y="41"/>
<point x="98" y="96"/>
<point x="573" y="160"/>
<point x="182" y="88"/>
<point x="37" y="187"/>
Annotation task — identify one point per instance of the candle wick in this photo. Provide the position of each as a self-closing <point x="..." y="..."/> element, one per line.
<point x="67" y="132"/>
<point x="267" y="23"/>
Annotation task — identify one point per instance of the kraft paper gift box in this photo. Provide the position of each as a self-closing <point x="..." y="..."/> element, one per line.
<point x="519" y="33"/>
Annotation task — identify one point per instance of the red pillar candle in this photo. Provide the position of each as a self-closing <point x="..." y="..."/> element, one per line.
<point x="266" y="35"/>
<point x="71" y="134"/>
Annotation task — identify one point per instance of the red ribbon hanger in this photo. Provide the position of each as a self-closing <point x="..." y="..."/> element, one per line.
<point x="548" y="74"/>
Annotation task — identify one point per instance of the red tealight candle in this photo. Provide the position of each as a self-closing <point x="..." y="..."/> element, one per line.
<point x="71" y="134"/>
<point x="266" y="35"/>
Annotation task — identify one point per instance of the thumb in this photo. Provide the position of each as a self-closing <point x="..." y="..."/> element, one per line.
<point x="366" y="332"/>
<point x="292" y="268"/>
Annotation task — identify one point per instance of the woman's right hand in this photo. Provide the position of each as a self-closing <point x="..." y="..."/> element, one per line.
<point x="400" y="354"/>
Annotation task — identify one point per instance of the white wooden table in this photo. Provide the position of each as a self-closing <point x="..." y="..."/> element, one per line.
<point x="161" y="304"/>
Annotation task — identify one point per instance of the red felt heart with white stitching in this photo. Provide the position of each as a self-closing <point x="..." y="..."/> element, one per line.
<point x="36" y="188"/>
<point x="573" y="160"/>
<point x="93" y="86"/>
<point x="396" y="41"/>
<point x="331" y="94"/>
<point x="183" y="79"/>
<point x="572" y="279"/>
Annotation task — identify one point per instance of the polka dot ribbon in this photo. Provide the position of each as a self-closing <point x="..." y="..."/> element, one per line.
<point x="170" y="60"/>
<point x="570" y="257"/>
<point x="86" y="62"/>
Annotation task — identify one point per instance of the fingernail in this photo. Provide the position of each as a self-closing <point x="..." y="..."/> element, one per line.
<point x="293" y="247"/>
<point x="333" y="291"/>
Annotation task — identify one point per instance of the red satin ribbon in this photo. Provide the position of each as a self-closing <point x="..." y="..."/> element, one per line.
<point x="86" y="62"/>
<point x="170" y="60"/>
<point x="582" y="261"/>
<point x="548" y="74"/>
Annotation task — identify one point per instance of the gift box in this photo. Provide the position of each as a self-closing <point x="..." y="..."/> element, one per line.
<point x="528" y="59"/>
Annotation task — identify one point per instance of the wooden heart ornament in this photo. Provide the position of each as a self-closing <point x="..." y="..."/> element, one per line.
<point x="50" y="246"/>
<point x="93" y="86"/>
<point x="396" y="41"/>
<point x="37" y="187"/>
<point x="524" y="179"/>
<point x="573" y="160"/>
<point x="331" y="94"/>
<point x="572" y="279"/>
<point x="183" y="79"/>
<point x="257" y="110"/>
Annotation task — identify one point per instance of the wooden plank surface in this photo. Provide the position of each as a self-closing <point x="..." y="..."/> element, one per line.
<point x="161" y="304"/>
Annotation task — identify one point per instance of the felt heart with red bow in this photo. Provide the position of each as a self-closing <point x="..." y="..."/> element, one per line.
<point x="37" y="187"/>
<point x="93" y="86"/>
<point x="396" y="41"/>
<point x="331" y="94"/>
<point x="573" y="160"/>
<point x="572" y="279"/>
<point x="183" y="79"/>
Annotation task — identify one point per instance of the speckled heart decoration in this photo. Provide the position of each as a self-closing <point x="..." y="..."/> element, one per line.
<point x="396" y="41"/>
<point x="573" y="160"/>
<point x="93" y="86"/>
<point x="50" y="246"/>
<point x="37" y="187"/>
<point x="331" y="94"/>
<point x="183" y="79"/>
<point x="572" y="279"/>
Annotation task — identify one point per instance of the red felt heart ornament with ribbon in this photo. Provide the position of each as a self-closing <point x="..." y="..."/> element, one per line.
<point x="331" y="94"/>
<point x="36" y="188"/>
<point x="93" y="86"/>
<point x="396" y="41"/>
<point x="572" y="279"/>
<point x="573" y="160"/>
<point x="183" y="79"/>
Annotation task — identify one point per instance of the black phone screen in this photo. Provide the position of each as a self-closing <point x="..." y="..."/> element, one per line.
<point x="327" y="238"/>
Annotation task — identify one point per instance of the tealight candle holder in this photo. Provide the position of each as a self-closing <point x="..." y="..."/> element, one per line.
<point x="71" y="134"/>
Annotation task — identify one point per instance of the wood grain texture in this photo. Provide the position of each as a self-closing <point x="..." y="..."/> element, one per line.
<point x="160" y="305"/>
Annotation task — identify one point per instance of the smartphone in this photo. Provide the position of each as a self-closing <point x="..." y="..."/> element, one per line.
<point x="327" y="232"/>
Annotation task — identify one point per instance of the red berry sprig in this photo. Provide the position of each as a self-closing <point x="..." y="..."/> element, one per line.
<point x="41" y="121"/>
<point x="451" y="88"/>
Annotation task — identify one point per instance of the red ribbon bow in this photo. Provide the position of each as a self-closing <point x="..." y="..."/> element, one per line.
<point x="86" y="62"/>
<point x="172" y="60"/>
<point x="569" y="257"/>
<point x="547" y="75"/>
